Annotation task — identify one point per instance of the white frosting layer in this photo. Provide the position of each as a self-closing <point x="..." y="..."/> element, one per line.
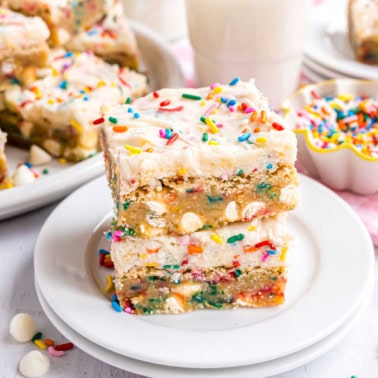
<point x="73" y="91"/>
<point x="18" y="33"/>
<point x="66" y="17"/>
<point x="200" y="149"/>
<point x="112" y="35"/>
<point x="174" y="250"/>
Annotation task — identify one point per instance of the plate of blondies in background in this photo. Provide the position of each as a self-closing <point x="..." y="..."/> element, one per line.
<point x="343" y="39"/>
<point x="54" y="86"/>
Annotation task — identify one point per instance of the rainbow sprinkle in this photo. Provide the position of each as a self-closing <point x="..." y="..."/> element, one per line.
<point x="342" y="120"/>
<point x="212" y="126"/>
<point x="235" y="238"/>
<point x="234" y="81"/>
<point x="191" y="97"/>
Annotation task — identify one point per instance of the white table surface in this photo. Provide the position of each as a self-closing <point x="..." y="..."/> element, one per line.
<point x="357" y="355"/>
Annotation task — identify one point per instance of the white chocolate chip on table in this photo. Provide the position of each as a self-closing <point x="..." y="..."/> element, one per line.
<point x="22" y="327"/>
<point x="34" y="364"/>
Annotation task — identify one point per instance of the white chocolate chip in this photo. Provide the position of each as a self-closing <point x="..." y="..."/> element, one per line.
<point x="34" y="364"/>
<point x="137" y="300"/>
<point x="187" y="289"/>
<point x="252" y="209"/>
<point x="231" y="212"/>
<point x="63" y="36"/>
<point x="22" y="327"/>
<point x="89" y="139"/>
<point x="155" y="222"/>
<point x="174" y="304"/>
<point x="39" y="156"/>
<point x="22" y="175"/>
<point x="190" y="222"/>
<point x="52" y="146"/>
<point x="26" y="128"/>
<point x="290" y="195"/>
<point x="157" y="207"/>
<point x="242" y="302"/>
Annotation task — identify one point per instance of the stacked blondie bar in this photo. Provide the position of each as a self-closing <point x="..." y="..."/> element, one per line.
<point x="202" y="180"/>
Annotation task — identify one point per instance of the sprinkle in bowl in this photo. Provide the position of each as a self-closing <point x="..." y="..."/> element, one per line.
<point x="336" y="123"/>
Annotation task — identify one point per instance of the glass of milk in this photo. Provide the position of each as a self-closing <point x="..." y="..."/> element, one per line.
<point x="261" y="39"/>
<point x="167" y="17"/>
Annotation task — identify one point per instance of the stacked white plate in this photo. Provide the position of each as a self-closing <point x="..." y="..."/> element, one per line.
<point x="330" y="283"/>
<point x="328" y="54"/>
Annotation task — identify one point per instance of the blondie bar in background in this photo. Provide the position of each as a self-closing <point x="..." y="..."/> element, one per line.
<point x="64" y="18"/>
<point x="24" y="48"/>
<point x="363" y="29"/>
<point x="111" y="38"/>
<point x="58" y="111"/>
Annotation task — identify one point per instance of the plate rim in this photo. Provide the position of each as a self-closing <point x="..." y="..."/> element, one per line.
<point x="40" y="193"/>
<point x="368" y="265"/>
<point x="312" y="76"/>
<point x="321" y="70"/>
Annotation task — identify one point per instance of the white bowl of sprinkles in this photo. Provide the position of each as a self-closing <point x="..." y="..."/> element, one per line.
<point x="336" y="123"/>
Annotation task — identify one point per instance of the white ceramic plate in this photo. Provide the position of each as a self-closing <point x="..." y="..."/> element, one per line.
<point x="332" y="246"/>
<point x="162" y="69"/>
<point x="310" y="75"/>
<point x="328" y="44"/>
<point x="321" y="70"/>
<point x="263" y="369"/>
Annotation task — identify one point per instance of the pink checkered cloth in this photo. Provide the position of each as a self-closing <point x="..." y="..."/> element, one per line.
<point x="365" y="206"/>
